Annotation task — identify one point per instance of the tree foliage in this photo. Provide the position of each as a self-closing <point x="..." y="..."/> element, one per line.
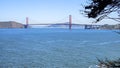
<point x="109" y="63"/>
<point x="100" y="9"/>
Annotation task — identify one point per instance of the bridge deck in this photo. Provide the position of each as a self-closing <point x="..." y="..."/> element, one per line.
<point x="67" y="24"/>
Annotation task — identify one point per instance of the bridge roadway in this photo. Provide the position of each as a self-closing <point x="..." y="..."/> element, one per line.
<point x="86" y="26"/>
<point x="67" y="24"/>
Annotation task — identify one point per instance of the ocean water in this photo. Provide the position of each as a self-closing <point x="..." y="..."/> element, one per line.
<point x="56" y="48"/>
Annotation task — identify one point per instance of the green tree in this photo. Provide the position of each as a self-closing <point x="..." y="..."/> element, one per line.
<point x="99" y="9"/>
<point x="109" y="63"/>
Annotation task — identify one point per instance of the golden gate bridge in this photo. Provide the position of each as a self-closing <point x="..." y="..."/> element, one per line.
<point x="69" y="24"/>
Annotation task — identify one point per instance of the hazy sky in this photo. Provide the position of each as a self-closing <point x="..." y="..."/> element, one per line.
<point x="44" y="11"/>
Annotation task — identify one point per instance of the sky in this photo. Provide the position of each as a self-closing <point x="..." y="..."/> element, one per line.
<point x="45" y="11"/>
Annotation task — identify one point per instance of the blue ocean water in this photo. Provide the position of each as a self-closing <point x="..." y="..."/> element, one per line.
<point x="56" y="48"/>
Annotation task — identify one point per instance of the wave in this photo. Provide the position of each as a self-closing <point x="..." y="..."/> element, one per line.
<point x="106" y="43"/>
<point x="94" y="66"/>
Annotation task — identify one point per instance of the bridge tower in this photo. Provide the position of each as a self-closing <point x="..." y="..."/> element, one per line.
<point x="27" y="21"/>
<point x="70" y="22"/>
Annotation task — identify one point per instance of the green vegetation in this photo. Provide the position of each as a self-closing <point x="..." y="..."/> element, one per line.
<point x="99" y="9"/>
<point x="109" y="63"/>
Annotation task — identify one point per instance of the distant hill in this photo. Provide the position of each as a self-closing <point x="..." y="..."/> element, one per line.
<point x="11" y="24"/>
<point x="59" y="25"/>
<point x="65" y="25"/>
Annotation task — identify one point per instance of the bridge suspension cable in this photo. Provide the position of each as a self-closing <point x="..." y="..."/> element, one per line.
<point x="69" y="22"/>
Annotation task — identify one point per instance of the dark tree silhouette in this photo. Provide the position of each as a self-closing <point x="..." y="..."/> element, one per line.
<point x="109" y="63"/>
<point x="99" y="9"/>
